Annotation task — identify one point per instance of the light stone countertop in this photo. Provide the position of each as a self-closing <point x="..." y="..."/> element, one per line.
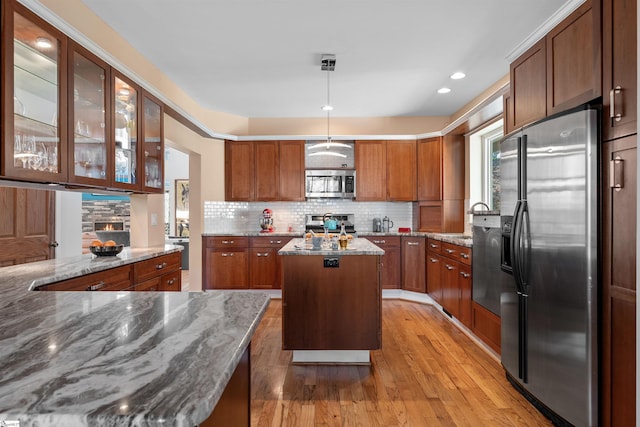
<point x="116" y="358"/>
<point x="356" y="246"/>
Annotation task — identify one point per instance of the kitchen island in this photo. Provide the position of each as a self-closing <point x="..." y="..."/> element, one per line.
<point x="331" y="302"/>
<point x="119" y="358"/>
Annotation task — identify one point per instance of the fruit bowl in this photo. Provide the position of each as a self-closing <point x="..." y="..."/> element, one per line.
<point x="106" y="250"/>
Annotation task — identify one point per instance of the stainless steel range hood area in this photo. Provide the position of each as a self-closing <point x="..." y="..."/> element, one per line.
<point x="329" y="155"/>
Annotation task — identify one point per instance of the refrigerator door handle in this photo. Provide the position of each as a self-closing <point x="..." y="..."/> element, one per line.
<point x="516" y="252"/>
<point x="524" y="246"/>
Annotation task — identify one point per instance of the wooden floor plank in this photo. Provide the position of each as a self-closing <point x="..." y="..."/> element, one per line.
<point x="428" y="373"/>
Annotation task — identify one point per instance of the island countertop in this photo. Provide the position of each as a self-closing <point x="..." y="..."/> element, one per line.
<point x="356" y="246"/>
<point x="116" y="358"/>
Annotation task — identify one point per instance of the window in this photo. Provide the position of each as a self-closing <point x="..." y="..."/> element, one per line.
<point x="484" y="165"/>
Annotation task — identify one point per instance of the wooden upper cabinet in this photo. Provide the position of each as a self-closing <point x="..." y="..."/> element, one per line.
<point x="402" y="171"/>
<point x="152" y="131"/>
<point x="619" y="79"/>
<point x="292" y="171"/>
<point x="573" y="59"/>
<point x="125" y="132"/>
<point x="507" y="114"/>
<point x="528" y="86"/>
<point x="239" y="171"/>
<point x="371" y="166"/>
<point x="453" y="167"/>
<point x="34" y="97"/>
<point x="266" y="172"/>
<point x="429" y="152"/>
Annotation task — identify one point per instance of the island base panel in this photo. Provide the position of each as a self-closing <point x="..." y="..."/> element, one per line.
<point x="234" y="406"/>
<point x="332" y="357"/>
<point x="331" y="308"/>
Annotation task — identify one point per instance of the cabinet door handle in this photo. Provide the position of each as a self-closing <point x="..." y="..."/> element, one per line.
<point x="266" y="254"/>
<point x="449" y="251"/>
<point x="379" y="242"/>
<point x="228" y="242"/>
<point x="161" y="266"/>
<point x="171" y="282"/>
<point x="464" y="255"/>
<point x="413" y="243"/>
<point x="465" y="275"/>
<point x="616" y="173"/>
<point x="448" y="267"/>
<point x="612" y="104"/>
<point x="275" y="242"/>
<point x="101" y="284"/>
<point x="433" y="260"/>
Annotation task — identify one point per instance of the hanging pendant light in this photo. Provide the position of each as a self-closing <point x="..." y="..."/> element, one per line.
<point x="328" y="65"/>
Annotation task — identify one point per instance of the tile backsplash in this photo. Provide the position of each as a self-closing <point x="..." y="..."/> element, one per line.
<point x="222" y="217"/>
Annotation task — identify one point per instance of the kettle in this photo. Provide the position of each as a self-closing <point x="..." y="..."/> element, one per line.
<point x="329" y="222"/>
<point x="387" y="224"/>
<point x="377" y="225"/>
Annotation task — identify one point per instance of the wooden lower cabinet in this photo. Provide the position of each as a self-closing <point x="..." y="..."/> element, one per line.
<point x="434" y="280"/>
<point x="413" y="252"/>
<point x="464" y="283"/>
<point x="486" y="326"/>
<point x="238" y="262"/>
<point x="265" y="263"/>
<point x="619" y="282"/>
<point x="156" y="274"/>
<point x="390" y="276"/>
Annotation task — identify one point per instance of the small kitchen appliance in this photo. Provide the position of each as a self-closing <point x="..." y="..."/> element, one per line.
<point x="377" y="225"/>
<point x="387" y="224"/>
<point x="266" y="221"/>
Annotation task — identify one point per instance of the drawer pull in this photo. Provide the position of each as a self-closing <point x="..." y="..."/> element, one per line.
<point x="449" y="251"/>
<point x="227" y="254"/>
<point x="379" y="242"/>
<point x="433" y="245"/>
<point x="433" y="260"/>
<point x="101" y="284"/>
<point x="465" y="275"/>
<point x="413" y="243"/>
<point x="464" y="255"/>
<point x="161" y="266"/>
<point x="275" y="242"/>
<point x="171" y="282"/>
<point x="448" y="267"/>
<point x="228" y="242"/>
<point x="266" y="254"/>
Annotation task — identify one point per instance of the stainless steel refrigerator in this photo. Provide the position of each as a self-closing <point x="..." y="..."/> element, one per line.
<point x="549" y="222"/>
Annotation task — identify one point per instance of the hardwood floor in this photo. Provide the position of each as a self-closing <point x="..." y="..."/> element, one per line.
<point x="428" y="373"/>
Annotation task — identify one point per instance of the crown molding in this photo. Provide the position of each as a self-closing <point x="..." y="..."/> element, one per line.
<point x="544" y="28"/>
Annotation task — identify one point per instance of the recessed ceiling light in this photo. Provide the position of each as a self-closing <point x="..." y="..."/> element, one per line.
<point x="444" y="90"/>
<point x="457" y="76"/>
<point x="43" y="43"/>
<point x="327" y="108"/>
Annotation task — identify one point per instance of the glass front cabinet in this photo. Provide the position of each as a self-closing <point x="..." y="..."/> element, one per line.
<point x="34" y="80"/>
<point x="68" y="117"/>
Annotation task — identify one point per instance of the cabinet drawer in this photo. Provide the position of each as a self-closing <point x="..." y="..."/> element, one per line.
<point x="171" y="281"/>
<point x="434" y="246"/>
<point x="269" y="242"/>
<point x="384" y="241"/>
<point x="459" y="253"/>
<point x="114" y="279"/>
<point x="221" y="242"/>
<point x="154" y="267"/>
<point x="150" y="285"/>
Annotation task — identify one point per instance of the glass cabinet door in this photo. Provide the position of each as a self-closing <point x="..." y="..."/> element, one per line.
<point x="125" y="126"/>
<point x="153" y="145"/>
<point x="36" y="128"/>
<point x="88" y="117"/>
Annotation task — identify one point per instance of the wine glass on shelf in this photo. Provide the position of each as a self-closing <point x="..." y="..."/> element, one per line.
<point x="17" y="150"/>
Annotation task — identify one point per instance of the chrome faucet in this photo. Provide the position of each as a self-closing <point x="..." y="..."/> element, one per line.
<point x="472" y="209"/>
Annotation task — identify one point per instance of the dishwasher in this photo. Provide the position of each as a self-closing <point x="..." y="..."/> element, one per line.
<point x="488" y="278"/>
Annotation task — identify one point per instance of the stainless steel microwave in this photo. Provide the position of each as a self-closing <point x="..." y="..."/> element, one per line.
<point x="335" y="183"/>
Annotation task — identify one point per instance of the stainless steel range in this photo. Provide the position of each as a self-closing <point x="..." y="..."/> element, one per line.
<point x="316" y="222"/>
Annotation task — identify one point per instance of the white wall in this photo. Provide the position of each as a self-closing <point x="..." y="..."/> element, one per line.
<point x="68" y="223"/>
<point x="176" y="166"/>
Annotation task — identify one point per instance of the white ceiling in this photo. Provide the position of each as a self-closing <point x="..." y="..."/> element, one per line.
<point x="261" y="58"/>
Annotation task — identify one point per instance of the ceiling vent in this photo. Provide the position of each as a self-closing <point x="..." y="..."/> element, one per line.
<point x="328" y="62"/>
